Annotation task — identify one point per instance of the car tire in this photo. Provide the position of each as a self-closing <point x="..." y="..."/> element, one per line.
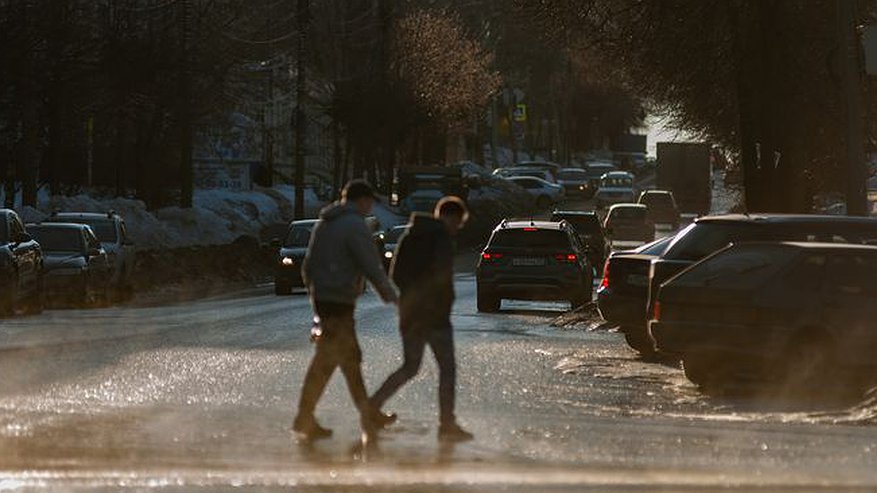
<point x="639" y="342"/>
<point x="281" y="289"/>
<point x="487" y="302"/>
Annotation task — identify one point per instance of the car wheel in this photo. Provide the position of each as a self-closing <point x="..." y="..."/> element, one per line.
<point x="488" y="302"/>
<point x="639" y="341"/>
<point x="543" y="202"/>
<point x="281" y="289"/>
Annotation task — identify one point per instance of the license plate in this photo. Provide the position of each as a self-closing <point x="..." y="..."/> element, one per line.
<point x="528" y="261"/>
<point x="637" y="280"/>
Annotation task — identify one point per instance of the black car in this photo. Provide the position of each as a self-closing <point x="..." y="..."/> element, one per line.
<point x="533" y="260"/>
<point x="787" y="313"/>
<point x="710" y="234"/>
<point x="76" y="268"/>
<point x="629" y="225"/>
<point x="390" y="240"/>
<point x="662" y="207"/>
<point x="293" y="248"/>
<point x="590" y="231"/>
<point x="21" y="267"/>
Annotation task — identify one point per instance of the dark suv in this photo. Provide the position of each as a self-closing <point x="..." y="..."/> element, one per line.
<point x="291" y="256"/>
<point x="710" y="234"/>
<point x="533" y="260"/>
<point x="590" y="231"/>
<point x="21" y="267"/>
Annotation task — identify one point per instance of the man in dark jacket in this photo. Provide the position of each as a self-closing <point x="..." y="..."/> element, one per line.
<point x="423" y="269"/>
<point x="341" y="252"/>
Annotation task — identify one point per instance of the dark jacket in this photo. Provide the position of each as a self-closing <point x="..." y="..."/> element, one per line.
<point x="341" y="252"/>
<point x="423" y="269"/>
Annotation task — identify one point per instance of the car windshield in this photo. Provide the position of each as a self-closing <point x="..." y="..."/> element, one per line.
<point x="298" y="237"/>
<point x="530" y="238"/>
<point x="104" y="229"/>
<point x="393" y="235"/>
<point x="52" y="239"/>
<point x="657" y="200"/>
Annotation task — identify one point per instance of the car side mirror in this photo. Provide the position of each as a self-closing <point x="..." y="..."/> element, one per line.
<point x="275" y="242"/>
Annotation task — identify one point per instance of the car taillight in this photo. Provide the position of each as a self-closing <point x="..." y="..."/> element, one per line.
<point x="656" y="311"/>
<point x="531" y="230"/>
<point x="490" y="257"/>
<point x="605" y="282"/>
<point x="566" y="257"/>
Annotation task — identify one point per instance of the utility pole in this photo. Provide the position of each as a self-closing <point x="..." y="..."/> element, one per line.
<point x="851" y="72"/>
<point x="303" y="20"/>
<point x="187" y="176"/>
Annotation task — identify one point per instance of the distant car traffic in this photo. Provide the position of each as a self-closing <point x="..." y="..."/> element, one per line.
<point x="517" y="171"/>
<point x="545" y="194"/>
<point x="551" y="168"/>
<point x="533" y="260"/>
<point x="793" y="314"/>
<point x="21" y="267"/>
<point x="709" y="234"/>
<point x="291" y="255"/>
<point x="616" y="187"/>
<point x="662" y="207"/>
<point x="589" y="228"/>
<point x="595" y="171"/>
<point x="575" y="182"/>
<point x="75" y="265"/>
<point x="391" y="241"/>
<point x="112" y="233"/>
<point x="629" y="225"/>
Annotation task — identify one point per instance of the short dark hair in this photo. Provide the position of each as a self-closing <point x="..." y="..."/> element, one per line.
<point x="452" y="206"/>
<point x="357" y="189"/>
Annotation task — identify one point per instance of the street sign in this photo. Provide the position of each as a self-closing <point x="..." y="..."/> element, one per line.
<point x="520" y="113"/>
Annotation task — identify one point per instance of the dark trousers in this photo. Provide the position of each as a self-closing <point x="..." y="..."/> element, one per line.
<point x="337" y="347"/>
<point x="414" y="340"/>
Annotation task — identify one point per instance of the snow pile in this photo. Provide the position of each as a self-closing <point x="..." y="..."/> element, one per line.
<point x="217" y="217"/>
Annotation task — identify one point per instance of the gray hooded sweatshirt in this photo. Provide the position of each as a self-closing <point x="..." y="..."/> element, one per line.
<point x="341" y="252"/>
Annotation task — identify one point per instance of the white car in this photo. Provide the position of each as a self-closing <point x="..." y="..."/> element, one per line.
<point x="546" y="194"/>
<point x="516" y="171"/>
<point x="616" y="187"/>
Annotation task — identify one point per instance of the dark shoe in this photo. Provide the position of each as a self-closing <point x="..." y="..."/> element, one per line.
<point x="310" y="429"/>
<point x="453" y="433"/>
<point x="376" y="421"/>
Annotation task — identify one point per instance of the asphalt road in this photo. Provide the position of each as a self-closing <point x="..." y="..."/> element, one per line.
<point x="204" y="399"/>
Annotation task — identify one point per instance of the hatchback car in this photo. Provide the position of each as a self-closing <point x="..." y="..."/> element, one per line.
<point x="546" y="194"/>
<point x="533" y="260"/>
<point x="112" y="233"/>
<point x="662" y="207"/>
<point x="21" y="267"/>
<point x="788" y="312"/>
<point x="75" y="265"/>
<point x="589" y="228"/>
<point x="616" y="187"/>
<point x="629" y="225"/>
<point x="293" y="248"/>
<point x="391" y="239"/>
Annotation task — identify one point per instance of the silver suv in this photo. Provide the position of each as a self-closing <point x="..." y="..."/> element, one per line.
<point x="113" y="235"/>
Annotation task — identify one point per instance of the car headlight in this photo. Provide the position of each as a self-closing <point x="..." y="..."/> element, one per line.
<point x="287" y="261"/>
<point x="388" y="255"/>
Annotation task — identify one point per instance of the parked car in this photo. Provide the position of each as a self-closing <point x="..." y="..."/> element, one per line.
<point x="546" y="194"/>
<point x="575" y="182"/>
<point x="710" y="234"/>
<point x="75" y="265"/>
<point x="112" y="233"/>
<point x="625" y="286"/>
<point x="616" y="187"/>
<point x="21" y="267"/>
<point x="533" y="260"/>
<point x="793" y="314"/>
<point x="552" y="168"/>
<point x="291" y="255"/>
<point x="391" y="241"/>
<point x="629" y="225"/>
<point x="517" y="171"/>
<point x="589" y="228"/>
<point x="662" y="207"/>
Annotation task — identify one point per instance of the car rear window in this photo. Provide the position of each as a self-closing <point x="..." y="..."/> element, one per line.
<point x="657" y="200"/>
<point x="617" y="182"/>
<point x="104" y="229"/>
<point x="701" y="239"/>
<point x="628" y="213"/>
<point x="583" y="224"/>
<point x="572" y="174"/>
<point x="527" y="238"/>
<point x="58" y="239"/>
<point x="743" y="267"/>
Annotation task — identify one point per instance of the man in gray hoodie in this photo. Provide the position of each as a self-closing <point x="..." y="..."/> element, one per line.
<point x="340" y="254"/>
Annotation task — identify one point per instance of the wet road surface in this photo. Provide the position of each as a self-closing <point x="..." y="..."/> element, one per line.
<point x="204" y="400"/>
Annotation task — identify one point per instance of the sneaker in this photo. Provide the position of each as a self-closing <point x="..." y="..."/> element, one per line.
<point x="310" y="429"/>
<point x="453" y="433"/>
